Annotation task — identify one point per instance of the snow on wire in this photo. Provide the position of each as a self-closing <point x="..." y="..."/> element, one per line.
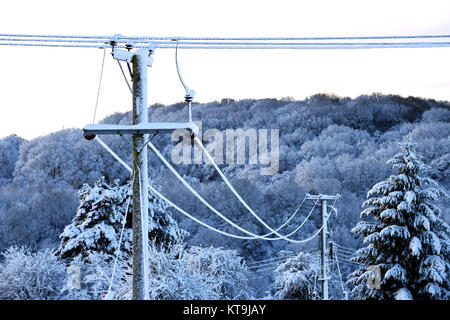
<point x="297" y="43"/>
<point x="253" y="236"/>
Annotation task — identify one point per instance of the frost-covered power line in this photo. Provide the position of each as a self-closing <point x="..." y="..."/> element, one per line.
<point x="226" y="43"/>
<point x="208" y="205"/>
<point x="254" y="236"/>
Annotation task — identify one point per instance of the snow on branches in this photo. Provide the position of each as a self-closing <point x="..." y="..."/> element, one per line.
<point x="408" y="239"/>
<point x="98" y="222"/>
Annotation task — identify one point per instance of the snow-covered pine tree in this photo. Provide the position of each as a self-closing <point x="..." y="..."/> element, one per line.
<point x="97" y="224"/>
<point x="406" y="238"/>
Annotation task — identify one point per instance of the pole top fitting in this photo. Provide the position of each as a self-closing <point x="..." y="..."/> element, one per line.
<point x="190" y="94"/>
<point x="115" y="39"/>
<point x="151" y="49"/>
<point x="129" y="45"/>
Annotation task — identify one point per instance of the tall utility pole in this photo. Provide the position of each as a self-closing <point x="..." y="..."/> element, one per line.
<point x="140" y="130"/>
<point x="140" y="181"/>
<point x="323" y="240"/>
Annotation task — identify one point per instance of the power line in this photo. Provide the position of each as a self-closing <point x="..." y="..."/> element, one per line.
<point x="198" y="196"/>
<point x="346" y="253"/>
<point x="357" y="264"/>
<point x="187" y="214"/>
<point x="344" y="292"/>
<point x="271" y="259"/>
<point x="119" y="41"/>
<point x="274" y="262"/>
<point x="227" y="182"/>
<point x="155" y="191"/>
<point x="344" y="248"/>
<point x="176" y="38"/>
<point x="244" y="47"/>
<point x="99" y="84"/>
<point x="195" y="193"/>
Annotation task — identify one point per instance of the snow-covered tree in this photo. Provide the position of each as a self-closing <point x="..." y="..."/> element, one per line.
<point x="176" y="273"/>
<point x="296" y="277"/>
<point x="28" y="275"/>
<point x="95" y="277"/>
<point x="197" y="273"/>
<point x="405" y="236"/>
<point x="98" y="222"/>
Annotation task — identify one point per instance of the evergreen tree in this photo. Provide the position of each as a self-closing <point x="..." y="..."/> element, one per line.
<point x="406" y="237"/>
<point x="98" y="222"/>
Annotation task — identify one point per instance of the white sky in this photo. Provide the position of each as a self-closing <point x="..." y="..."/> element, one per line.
<point x="43" y="90"/>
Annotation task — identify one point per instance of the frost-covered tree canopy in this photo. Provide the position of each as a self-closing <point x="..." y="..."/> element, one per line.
<point x="405" y="234"/>
<point x="98" y="222"/>
<point x="9" y="154"/>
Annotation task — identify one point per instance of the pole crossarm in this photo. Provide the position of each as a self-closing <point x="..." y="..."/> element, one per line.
<point x="91" y="130"/>
<point x="323" y="197"/>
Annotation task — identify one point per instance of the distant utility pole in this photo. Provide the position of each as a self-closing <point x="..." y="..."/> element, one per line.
<point x="323" y="239"/>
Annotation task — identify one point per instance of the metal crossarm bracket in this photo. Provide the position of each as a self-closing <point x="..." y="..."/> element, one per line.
<point x="91" y="130"/>
<point x="124" y="55"/>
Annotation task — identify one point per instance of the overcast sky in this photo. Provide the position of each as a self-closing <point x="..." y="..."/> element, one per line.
<point x="44" y="90"/>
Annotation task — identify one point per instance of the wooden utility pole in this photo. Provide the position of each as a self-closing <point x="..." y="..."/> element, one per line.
<point x="323" y="248"/>
<point x="140" y="181"/>
<point x="140" y="130"/>
<point x="323" y="240"/>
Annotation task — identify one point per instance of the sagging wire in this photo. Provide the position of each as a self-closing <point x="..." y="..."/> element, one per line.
<point x="189" y="96"/>
<point x="253" y="236"/>
<point x="155" y="191"/>
<point x="99" y="85"/>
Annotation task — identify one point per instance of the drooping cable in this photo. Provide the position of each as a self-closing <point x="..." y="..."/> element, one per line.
<point x="99" y="85"/>
<point x="186" y="88"/>
<point x="227" y="182"/>
<point x="198" y="196"/>
<point x="107" y="148"/>
<point x="155" y="191"/>
<point x="189" y="96"/>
